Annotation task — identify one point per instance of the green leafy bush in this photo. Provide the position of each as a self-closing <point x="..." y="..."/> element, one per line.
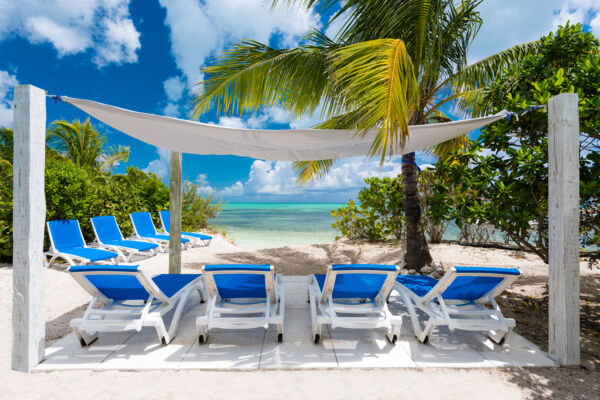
<point x="503" y="176"/>
<point x="378" y="215"/>
<point x="196" y="208"/>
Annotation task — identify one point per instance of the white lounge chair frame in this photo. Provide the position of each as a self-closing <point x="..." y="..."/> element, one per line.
<point x="234" y="314"/>
<point x="131" y="315"/>
<point x="71" y="259"/>
<point x="459" y="314"/>
<point x="163" y="244"/>
<point x="352" y="313"/>
<point x="193" y="239"/>
<point x="125" y="253"/>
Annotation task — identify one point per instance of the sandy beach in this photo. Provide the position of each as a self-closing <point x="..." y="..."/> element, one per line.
<point x="526" y="302"/>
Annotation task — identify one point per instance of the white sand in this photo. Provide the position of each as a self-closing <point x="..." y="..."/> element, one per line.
<point x="65" y="299"/>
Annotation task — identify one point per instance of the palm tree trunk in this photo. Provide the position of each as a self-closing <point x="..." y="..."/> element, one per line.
<point x="417" y="251"/>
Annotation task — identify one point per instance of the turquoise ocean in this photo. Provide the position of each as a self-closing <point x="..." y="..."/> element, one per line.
<point x="267" y="225"/>
<point x="264" y="225"/>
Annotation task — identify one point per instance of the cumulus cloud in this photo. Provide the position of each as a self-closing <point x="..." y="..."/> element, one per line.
<point x="7" y="82"/>
<point x="160" y="166"/>
<point x="277" y="178"/>
<point x="199" y="30"/>
<point x="511" y="22"/>
<point x="74" y="26"/>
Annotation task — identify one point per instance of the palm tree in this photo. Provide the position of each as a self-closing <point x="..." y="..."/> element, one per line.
<point x="394" y="63"/>
<point x="84" y="145"/>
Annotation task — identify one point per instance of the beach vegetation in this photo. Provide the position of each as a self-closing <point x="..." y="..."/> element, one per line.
<point x="503" y="175"/>
<point x="82" y="186"/>
<point x="377" y="213"/>
<point x="388" y="67"/>
<point x="84" y="145"/>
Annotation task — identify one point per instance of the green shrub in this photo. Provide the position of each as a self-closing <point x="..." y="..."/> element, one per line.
<point x="378" y="215"/>
<point x="197" y="209"/>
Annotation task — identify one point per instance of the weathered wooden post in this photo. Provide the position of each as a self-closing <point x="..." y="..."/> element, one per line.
<point x="29" y="216"/>
<point x="175" y="215"/>
<point x="563" y="230"/>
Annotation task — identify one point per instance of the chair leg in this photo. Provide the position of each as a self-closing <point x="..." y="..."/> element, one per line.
<point x="422" y="334"/>
<point x="500" y="337"/>
<point x="84" y="338"/>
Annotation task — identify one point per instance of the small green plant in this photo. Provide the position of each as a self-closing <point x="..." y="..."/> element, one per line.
<point x="377" y="216"/>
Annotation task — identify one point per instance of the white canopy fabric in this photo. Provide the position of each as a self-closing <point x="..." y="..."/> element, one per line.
<point x="277" y="145"/>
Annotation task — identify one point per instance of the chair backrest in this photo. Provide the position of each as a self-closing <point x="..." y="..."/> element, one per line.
<point x="106" y="229"/>
<point x="142" y="223"/>
<point x="359" y="281"/>
<point x="117" y="282"/>
<point x="65" y="234"/>
<point x="240" y="281"/>
<point x="473" y="283"/>
<point x="165" y="220"/>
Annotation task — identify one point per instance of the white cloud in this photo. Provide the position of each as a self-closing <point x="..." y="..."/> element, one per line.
<point x="237" y="189"/>
<point x="7" y="82"/>
<point x="199" y="30"/>
<point x="277" y="178"/>
<point x="510" y="22"/>
<point x="74" y="26"/>
<point x="174" y="89"/>
<point x="160" y="166"/>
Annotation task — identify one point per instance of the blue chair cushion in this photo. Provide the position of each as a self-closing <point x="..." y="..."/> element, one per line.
<point x="238" y="267"/>
<point x="197" y="235"/>
<point x="90" y="253"/>
<point x="128" y="287"/>
<point x="360" y="267"/>
<point x="241" y="286"/>
<point x="163" y="237"/>
<point x="106" y="228"/>
<point x="143" y="223"/>
<point x="170" y="284"/>
<point x="354" y="286"/>
<point x="66" y="234"/>
<point x="418" y="284"/>
<point x="132" y="244"/>
<point x="468" y="288"/>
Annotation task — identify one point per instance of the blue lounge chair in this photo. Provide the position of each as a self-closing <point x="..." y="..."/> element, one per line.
<point x="242" y="297"/>
<point x="66" y="241"/>
<point x="195" y="237"/>
<point x="109" y="236"/>
<point x="134" y="300"/>
<point x="458" y="300"/>
<point x="353" y="296"/>
<point x="144" y="229"/>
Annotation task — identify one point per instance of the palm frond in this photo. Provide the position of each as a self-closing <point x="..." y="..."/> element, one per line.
<point x="490" y="68"/>
<point x="311" y="170"/>
<point x="378" y="86"/>
<point x="252" y="75"/>
<point x="112" y="156"/>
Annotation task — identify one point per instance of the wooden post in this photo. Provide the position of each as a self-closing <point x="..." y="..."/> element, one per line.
<point x="563" y="230"/>
<point x="29" y="217"/>
<point x="175" y="215"/>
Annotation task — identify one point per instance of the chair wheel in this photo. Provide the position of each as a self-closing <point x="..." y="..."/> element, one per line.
<point x="317" y="338"/>
<point x="82" y="342"/>
<point x="502" y="341"/>
<point x="394" y="339"/>
<point x="163" y="340"/>
<point x="280" y="337"/>
<point x="426" y="340"/>
<point x="201" y="339"/>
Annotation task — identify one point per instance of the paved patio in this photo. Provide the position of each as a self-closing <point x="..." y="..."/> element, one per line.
<point x="257" y="349"/>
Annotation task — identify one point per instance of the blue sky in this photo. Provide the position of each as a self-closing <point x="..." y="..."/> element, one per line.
<point x="145" y="55"/>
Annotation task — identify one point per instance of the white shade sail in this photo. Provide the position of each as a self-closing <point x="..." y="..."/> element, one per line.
<point x="278" y="145"/>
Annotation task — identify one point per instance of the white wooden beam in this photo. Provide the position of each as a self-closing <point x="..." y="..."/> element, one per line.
<point x="175" y="214"/>
<point x="563" y="230"/>
<point x="29" y="215"/>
